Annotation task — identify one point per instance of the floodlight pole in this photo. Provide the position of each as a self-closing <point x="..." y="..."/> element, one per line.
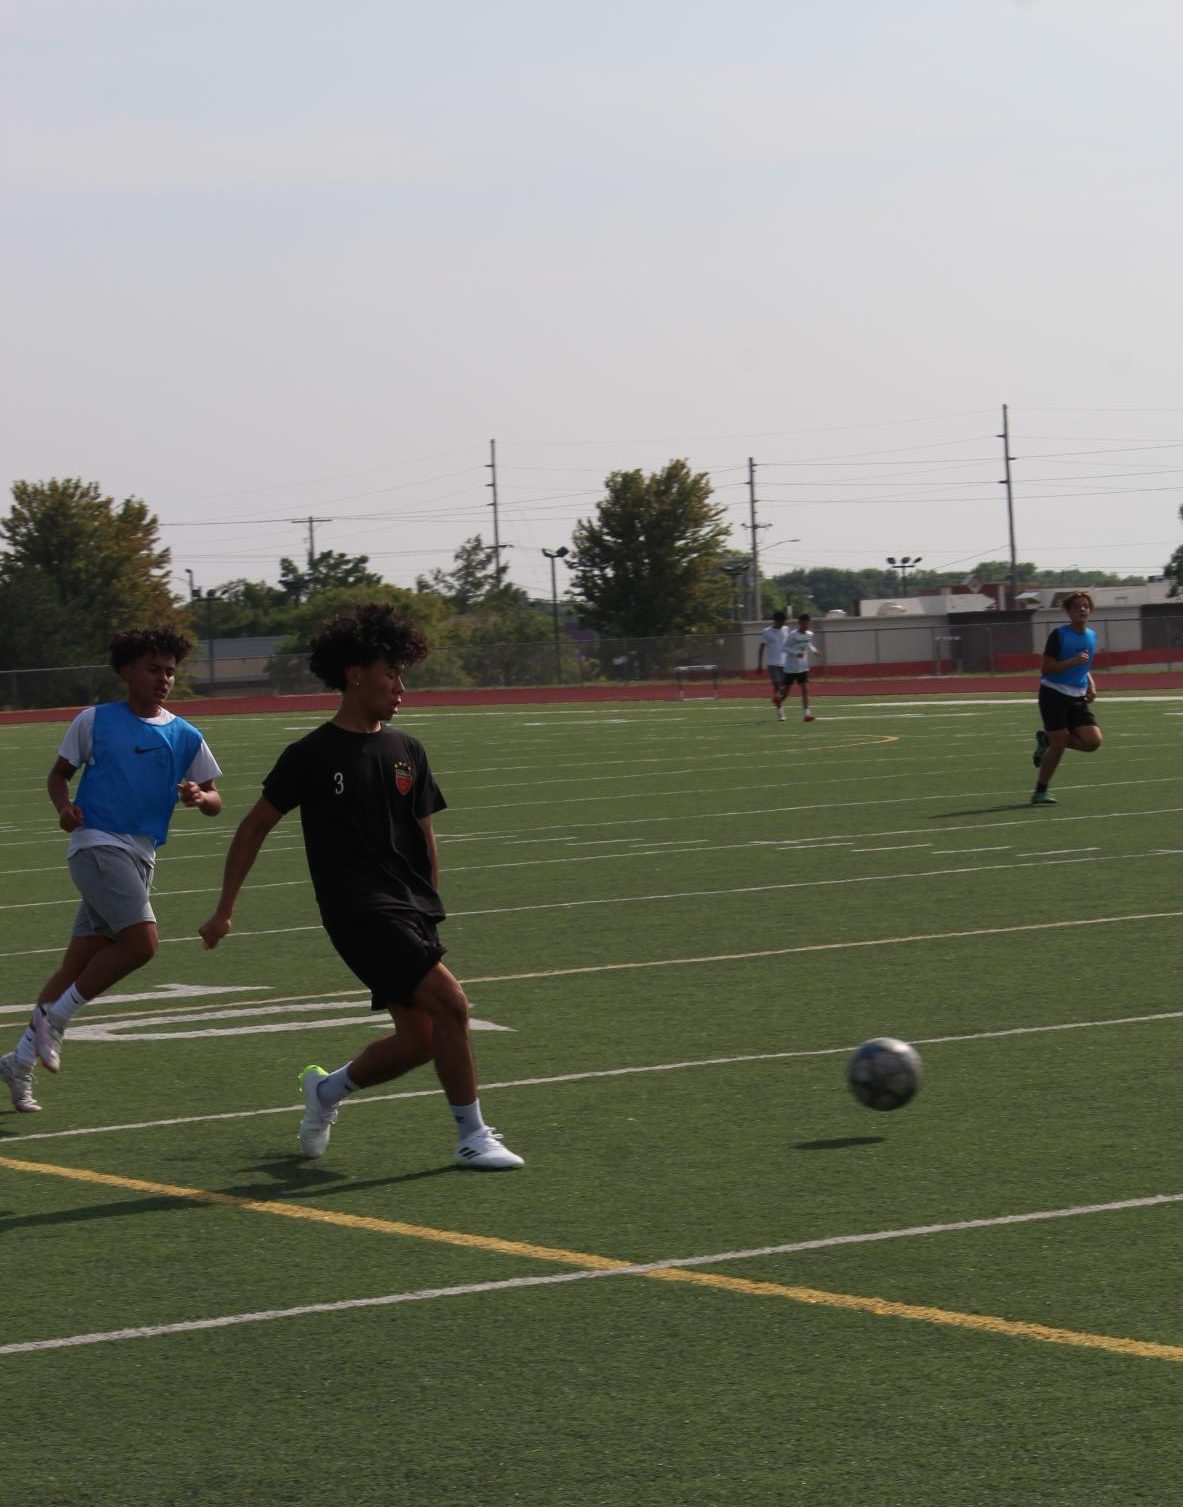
<point x="552" y="555"/>
<point x="209" y="639"/>
<point x="901" y="566"/>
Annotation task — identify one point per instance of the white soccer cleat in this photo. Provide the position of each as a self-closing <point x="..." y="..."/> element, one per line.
<point x="318" y="1121"/>
<point x="808" y="717"/>
<point x="780" y="714"/>
<point x="20" y="1084"/>
<point x="49" y="1039"/>
<point x="484" y="1151"/>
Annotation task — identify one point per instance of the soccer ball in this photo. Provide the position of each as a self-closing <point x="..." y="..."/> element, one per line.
<point x="884" y="1073"/>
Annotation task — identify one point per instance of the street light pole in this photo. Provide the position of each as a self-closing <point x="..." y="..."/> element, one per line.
<point x="552" y="555"/>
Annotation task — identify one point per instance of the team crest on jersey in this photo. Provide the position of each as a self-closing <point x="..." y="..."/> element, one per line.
<point x="404" y="777"/>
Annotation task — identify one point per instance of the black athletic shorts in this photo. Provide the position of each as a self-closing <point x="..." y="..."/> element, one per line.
<point x="796" y="677"/>
<point x="1058" y="711"/>
<point x="391" y="954"/>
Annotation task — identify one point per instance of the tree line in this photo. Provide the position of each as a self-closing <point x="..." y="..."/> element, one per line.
<point x="654" y="560"/>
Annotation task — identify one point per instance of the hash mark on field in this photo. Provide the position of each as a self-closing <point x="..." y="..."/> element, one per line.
<point x="1055" y="852"/>
<point x="897" y="847"/>
<point x="944" y="852"/>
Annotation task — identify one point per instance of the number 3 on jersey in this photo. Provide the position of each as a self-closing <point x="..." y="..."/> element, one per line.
<point x="339" y="783"/>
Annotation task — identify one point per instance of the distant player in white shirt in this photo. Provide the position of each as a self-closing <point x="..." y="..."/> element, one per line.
<point x="799" y="645"/>
<point x="772" y="649"/>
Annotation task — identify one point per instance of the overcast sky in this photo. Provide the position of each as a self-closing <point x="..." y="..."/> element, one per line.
<point x="272" y="259"/>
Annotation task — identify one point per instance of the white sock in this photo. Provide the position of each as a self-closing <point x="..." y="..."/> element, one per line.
<point x="26" y="1049"/>
<point x="336" y="1086"/>
<point x="468" y="1118"/>
<point x="65" y="1007"/>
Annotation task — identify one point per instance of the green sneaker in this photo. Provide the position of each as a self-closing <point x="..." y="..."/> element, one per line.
<point x="1041" y="742"/>
<point x="1043" y="798"/>
<point x="318" y="1120"/>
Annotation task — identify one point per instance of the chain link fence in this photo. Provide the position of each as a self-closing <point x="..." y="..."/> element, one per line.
<point x="849" y="647"/>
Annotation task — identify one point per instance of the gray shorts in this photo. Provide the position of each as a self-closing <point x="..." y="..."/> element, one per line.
<point x="114" y="886"/>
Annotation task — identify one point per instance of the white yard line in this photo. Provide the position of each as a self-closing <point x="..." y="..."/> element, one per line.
<point x="584" y="1274"/>
<point x="590" y="1074"/>
<point x="743" y="889"/>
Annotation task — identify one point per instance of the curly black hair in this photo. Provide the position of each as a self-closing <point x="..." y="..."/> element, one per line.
<point x="166" y="638"/>
<point x="374" y="632"/>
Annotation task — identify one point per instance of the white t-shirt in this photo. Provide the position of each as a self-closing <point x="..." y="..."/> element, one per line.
<point x="77" y="749"/>
<point x="774" y="645"/>
<point x="798" y="647"/>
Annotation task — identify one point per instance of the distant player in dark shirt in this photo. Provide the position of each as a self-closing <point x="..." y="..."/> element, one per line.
<point x="366" y="797"/>
<point x="1066" y="695"/>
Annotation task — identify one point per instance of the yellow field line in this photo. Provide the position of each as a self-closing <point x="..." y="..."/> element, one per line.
<point x="317" y="1216"/>
<point x="883" y="1307"/>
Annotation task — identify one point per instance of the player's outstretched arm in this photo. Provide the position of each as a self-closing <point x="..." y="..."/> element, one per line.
<point x="240" y="859"/>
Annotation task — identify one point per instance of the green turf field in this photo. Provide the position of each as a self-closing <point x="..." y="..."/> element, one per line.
<point x="718" y="1280"/>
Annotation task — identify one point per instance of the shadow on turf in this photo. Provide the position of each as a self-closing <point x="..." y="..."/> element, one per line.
<point x="293" y="1178"/>
<point x="839" y="1143"/>
<point x="981" y="810"/>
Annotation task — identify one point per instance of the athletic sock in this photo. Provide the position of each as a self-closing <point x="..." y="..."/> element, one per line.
<point x="65" y="1007"/>
<point x="26" y="1049"/>
<point x="336" y="1086"/>
<point x="1040" y="789"/>
<point x="468" y="1118"/>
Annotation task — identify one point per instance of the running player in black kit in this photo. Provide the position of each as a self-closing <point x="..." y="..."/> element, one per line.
<point x="366" y="796"/>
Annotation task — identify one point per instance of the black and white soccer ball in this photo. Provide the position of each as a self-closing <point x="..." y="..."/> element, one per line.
<point x="884" y="1073"/>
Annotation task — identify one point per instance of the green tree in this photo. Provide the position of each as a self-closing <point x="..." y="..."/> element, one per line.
<point x="78" y="565"/>
<point x="325" y="571"/>
<point x="649" y="563"/>
<point x="475" y="577"/>
<point x="249" y="609"/>
<point x="289" y="667"/>
<point x="496" y="628"/>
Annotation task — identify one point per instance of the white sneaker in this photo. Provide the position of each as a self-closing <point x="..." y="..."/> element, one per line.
<point x="20" y="1084"/>
<point x="808" y="717"/>
<point x="484" y="1150"/>
<point x="49" y="1039"/>
<point x="780" y="714"/>
<point x="318" y="1119"/>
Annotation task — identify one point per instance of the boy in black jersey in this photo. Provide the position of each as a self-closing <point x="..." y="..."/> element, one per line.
<point x="366" y="796"/>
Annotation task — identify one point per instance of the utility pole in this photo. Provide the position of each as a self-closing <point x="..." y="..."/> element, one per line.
<point x="492" y="469"/>
<point x="1010" y="508"/>
<point x="311" y="522"/>
<point x="757" y="605"/>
